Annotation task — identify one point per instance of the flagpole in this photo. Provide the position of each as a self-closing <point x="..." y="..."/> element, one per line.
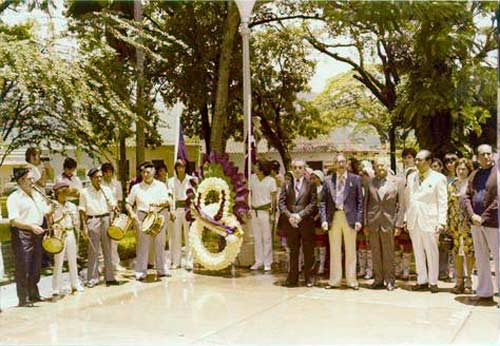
<point x="176" y="152"/>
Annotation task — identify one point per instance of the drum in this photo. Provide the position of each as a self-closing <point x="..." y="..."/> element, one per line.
<point x="53" y="241"/>
<point x="120" y="227"/>
<point x="152" y="223"/>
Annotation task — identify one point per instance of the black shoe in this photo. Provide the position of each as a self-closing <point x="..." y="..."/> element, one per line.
<point x="112" y="283"/>
<point x="165" y="275"/>
<point x="289" y="284"/>
<point x="420" y="287"/>
<point x="390" y="286"/>
<point x="458" y="289"/>
<point x="37" y="299"/>
<point x="434" y="288"/>
<point x="377" y="286"/>
<point x="26" y="304"/>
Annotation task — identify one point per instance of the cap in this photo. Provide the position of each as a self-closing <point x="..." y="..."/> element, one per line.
<point x="60" y="185"/>
<point x="92" y="171"/>
<point x="146" y="164"/>
<point x="319" y="175"/>
<point x="21" y="172"/>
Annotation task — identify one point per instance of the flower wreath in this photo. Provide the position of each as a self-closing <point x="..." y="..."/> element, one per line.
<point x="218" y="205"/>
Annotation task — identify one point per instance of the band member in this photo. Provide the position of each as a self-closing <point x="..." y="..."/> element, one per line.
<point x="263" y="189"/>
<point x="69" y="177"/>
<point x="150" y="193"/>
<point x="180" y="184"/>
<point x="96" y="204"/>
<point x="39" y="170"/>
<point x="383" y="196"/>
<point x="27" y="209"/>
<point x="108" y="180"/>
<point x="481" y="205"/>
<point x="66" y="216"/>
<point x="297" y="203"/>
<point x="426" y="216"/>
<point x="342" y="214"/>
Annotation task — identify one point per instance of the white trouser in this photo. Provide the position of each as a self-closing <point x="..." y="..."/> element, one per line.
<point x="143" y="246"/>
<point x="340" y="228"/>
<point x="485" y="243"/>
<point x="181" y="226"/>
<point x="425" y="248"/>
<point x="263" y="238"/>
<point x="115" y="258"/>
<point x="69" y="251"/>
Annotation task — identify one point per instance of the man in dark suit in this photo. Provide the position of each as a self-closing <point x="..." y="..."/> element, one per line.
<point x="341" y="212"/>
<point x="297" y="201"/>
<point x="382" y="214"/>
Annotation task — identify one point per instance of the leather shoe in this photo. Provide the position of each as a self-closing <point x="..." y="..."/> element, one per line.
<point x="290" y="284"/>
<point x="420" y="287"/>
<point x="390" y="286"/>
<point x="37" y="299"/>
<point x="377" y="286"/>
<point x="434" y="288"/>
<point x="309" y="284"/>
<point x="112" y="283"/>
<point x="26" y="304"/>
<point x="356" y="288"/>
<point x="479" y="299"/>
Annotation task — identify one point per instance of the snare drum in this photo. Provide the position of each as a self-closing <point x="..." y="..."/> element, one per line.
<point x="120" y="227"/>
<point x="53" y="241"/>
<point x="152" y="223"/>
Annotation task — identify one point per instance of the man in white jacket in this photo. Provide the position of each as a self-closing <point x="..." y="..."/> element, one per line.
<point x="426" y="212"/>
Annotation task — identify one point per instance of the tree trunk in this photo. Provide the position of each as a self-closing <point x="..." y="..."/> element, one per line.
<point x="392" y="146"/>
<point x="219" y="121"/>
<point x="122" y="164"/>
<point x="205" y="126"/>
<point x="435" y="135"/>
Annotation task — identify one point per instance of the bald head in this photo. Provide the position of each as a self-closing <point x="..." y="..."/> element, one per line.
<point x="485" y="156"/>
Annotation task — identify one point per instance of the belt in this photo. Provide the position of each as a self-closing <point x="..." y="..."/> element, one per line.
<point x="339" y="209"/>
<point x="180" y="204"/>
<point x="97" y="216"/>
<point x="264" y="207"/>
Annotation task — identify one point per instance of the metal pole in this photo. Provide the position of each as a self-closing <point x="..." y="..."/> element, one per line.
<point x="247" y="94"/>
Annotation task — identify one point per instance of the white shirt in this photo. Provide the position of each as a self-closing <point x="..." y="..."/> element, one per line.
<point x="116" y="187"/>
<point x="73" y="182"/>
<point x="143" y="195"/>
<point x="180" y="188"/>
<point x="262" y="190"/>
<point x="36" y="171"/>
<point x="297" y="185"/>
<point x="27" y="209"/>
<point x="96" y="202"/>
<point x="67" y="215"/>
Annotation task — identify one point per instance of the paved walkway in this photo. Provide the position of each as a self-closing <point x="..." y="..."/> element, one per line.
<point x="250" y="309"/>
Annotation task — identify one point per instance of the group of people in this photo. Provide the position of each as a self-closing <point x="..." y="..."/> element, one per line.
<point x="346" y="213"/>
<point x="79" y="212"/>
<point x="442" y="213"/>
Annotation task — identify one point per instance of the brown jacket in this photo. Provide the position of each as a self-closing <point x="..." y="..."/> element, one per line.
<point x="384" y="213"/>
<point x="490" y="201"/>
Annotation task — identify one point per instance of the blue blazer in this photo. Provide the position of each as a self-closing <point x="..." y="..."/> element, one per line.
<point x="353" y="199"/>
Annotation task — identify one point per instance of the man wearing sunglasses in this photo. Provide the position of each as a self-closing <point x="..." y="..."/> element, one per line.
<point x="297" y="202"/>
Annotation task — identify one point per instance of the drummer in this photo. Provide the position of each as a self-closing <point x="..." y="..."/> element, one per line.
<point x="27" y="210"/>
<point x="96" y="204"/>
<point x="148" y="193"/>
<point x="66" y="216"/>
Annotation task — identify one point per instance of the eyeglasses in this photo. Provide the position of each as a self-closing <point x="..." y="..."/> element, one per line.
<point x="297" y="167"/>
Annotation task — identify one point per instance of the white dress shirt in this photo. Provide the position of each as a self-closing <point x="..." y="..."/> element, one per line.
<point x="115" y="186"/>
<point x="180" y="187"/>
<point x="96" y="202"/>
<point x="67" y="215"/>
<point x="36" y="171"/>
<point x="143" y="195"/>
<point x="73" y="181"/>
<point x="262" y="190"/>
<point x="25" y="208"/>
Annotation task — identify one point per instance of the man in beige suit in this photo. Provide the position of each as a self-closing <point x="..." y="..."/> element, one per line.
<point x="383" y="196"/>
<point x="426" y="206"/>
